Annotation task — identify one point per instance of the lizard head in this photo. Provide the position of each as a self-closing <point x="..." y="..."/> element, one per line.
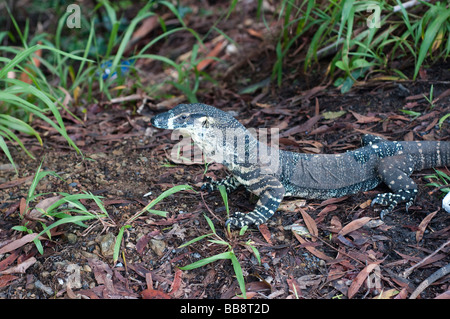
<point x="213" y="130"/>
<point x="194" y="117"/>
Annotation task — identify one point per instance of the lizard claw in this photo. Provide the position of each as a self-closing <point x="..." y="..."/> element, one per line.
<point x="207" y="186"/>
<point x="383" y="213"/>
<point x="238" y="220"/>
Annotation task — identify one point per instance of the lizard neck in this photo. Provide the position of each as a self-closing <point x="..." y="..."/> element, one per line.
<point x="230" y="147"/>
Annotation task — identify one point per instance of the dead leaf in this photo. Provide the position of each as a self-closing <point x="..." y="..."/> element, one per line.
<point x="310" y="223"/>
<point x="311" y="249"/>
<point x="410" y="105"/>
<point x="324" y="212"/>
<point x="17" y="243"/>
<point x="176" y="283"/>
<point x="333" y="115"/>
<point x="309" y="280"/>
<point x="365" y="204"/>
<point x="402" y="294"/>
<point x="294" y="286"/>
<point x="305" y="127"/>
<point x="363" y="119"/>
<point x="213" y="53"/>
<point x="353" y="225"/>
<point x="8" y="260"/>
<point x="258" y="286"/>
<point x="333" y="201"/>
<point x="154" y="294"/>
<point x="313" y="92"/>
<point x="22" y="207"/>
<point x="44" y="205"/>
<point x="6" y="279"/>
<point x="292" y="205"/>
<point x="16" y="182"/>
<point x="445" y="295"/>
<point x="442" y="95"/>
<point x="256" y="34"/>
<point x="359" y="280"/>
<point x="266" y="233"/>
<point x="147" y="26"/>
<point x="20" y="268"/>
<point x="423" y="225"/>
<point x="335" y="225"/>
<point x="387" y="294"/>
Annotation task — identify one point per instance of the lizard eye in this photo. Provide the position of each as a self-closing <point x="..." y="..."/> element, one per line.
<point x="183" y="117"/>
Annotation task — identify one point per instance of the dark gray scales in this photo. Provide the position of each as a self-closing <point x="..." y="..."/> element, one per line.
<point x="306" y="175"/>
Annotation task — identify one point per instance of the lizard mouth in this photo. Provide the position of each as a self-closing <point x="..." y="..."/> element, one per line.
<point x="161" y="121"/>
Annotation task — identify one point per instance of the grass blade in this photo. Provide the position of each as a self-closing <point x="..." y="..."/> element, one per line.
<point x="205" y="261"/>
<point x="429" y="38"/>
<point x="195" y="240"/>
<point x="5" y="150"/>
<point x="118" y="242"/>
<point x="238" y="272"/>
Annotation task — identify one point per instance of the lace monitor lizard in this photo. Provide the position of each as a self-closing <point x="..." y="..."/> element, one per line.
<point x="223" y="139"/>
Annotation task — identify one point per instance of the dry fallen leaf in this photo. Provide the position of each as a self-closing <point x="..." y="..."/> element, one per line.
<point x="266" y="233"/>
<point x="312" y="249"/>
<point x="354" y="225"/>
<point x="5" y="280"/>
<point x="176" y="283"/>
<point x="310" y="223"/>
<point x="213" y="53"/>
<point x="17" y="243"/>
<point x="360" y="278"/>
<point x="20" y="268"/>
<point x="423" y="225"/>
<point x="154" y="294"/>
<point x="365" y="119"/>
<point x="43" y="204"/>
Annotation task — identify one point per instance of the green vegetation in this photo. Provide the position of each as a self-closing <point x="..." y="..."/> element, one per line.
<point x="362" y="39"/>
<point x="229" y="253"/>
<point x="40" y="216"/>
<point x="442" y="181"/>
<point x="64" y="208"/>
<point x="148" y="209"/>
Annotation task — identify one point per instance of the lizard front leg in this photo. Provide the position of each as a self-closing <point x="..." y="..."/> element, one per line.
<point x="270" y="192"/>
<point x="394" y="172"/>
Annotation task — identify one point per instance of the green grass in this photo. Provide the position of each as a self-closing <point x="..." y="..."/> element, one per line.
<point x="79" y="72"/>
<point x="148" y="209"/>
<point x="336" y="29"/>
<point x="442" y="181"/>
<point x="339" y="29"/>
<point x="229" y="254"/>
<point x="68" y="209"/>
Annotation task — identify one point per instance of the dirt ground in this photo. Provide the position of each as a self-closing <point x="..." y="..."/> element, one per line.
<point x="124" y="158"/>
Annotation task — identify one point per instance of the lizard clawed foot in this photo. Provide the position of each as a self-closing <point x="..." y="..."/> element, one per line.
<point x="208" y="185"/>
<point x="391" y="200"/>
<point x="239" y="220"/>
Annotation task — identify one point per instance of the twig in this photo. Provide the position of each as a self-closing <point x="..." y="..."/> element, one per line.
<point x="209" y="210"/>
<point x="408" y="271"/>
<point x="427" y="282"/>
